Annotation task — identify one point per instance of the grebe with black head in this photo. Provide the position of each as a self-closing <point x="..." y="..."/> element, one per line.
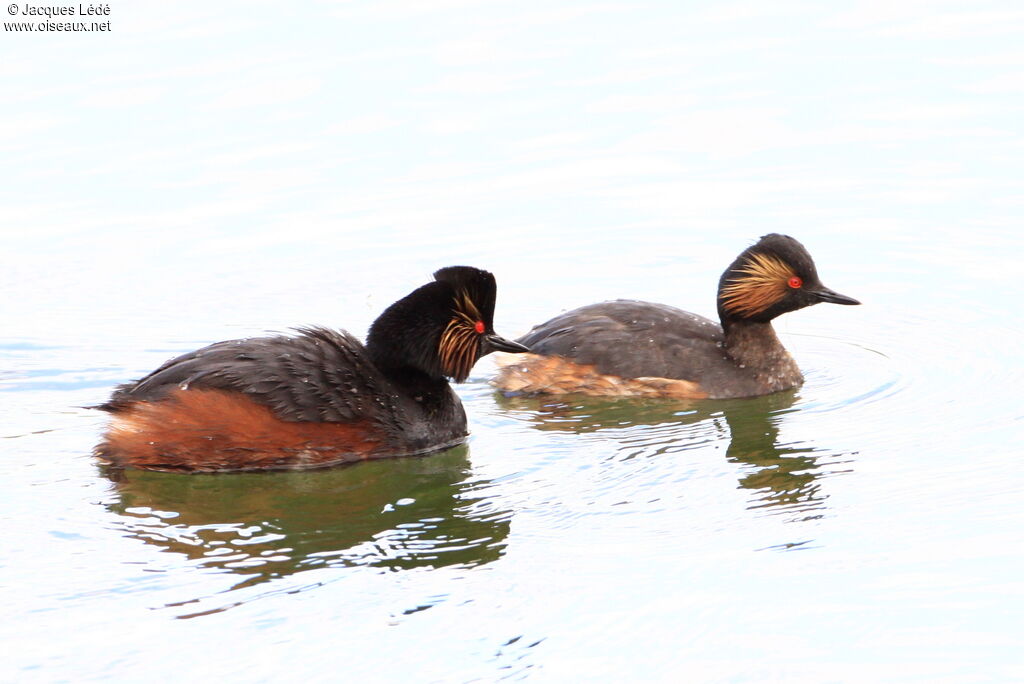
<point x="317" y="398"/>
<point x="629" y="347"/>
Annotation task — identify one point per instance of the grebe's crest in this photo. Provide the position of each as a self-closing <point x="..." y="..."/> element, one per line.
<point x="441" y="328"/>
<point x="472" y="313"/>
<point x="771" y="277"/>
<point x="761" y="282"/>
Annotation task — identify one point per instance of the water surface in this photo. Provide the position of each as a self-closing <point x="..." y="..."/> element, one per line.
<point x="209" y="172"/>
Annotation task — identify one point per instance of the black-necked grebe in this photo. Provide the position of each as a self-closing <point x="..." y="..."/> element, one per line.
<point x="638" y="348"/>
<point x="317" y="398"/>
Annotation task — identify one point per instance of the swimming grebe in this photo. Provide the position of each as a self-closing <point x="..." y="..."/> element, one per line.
<point x="638" y="348"/>
<point x="317" y="398"/>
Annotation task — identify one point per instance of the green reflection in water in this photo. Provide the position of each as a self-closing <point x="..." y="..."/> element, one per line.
<point x="393" y="514"/>
<point x="782" y="477"/>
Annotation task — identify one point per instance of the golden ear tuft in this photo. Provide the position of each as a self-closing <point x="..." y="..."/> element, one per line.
<point x="762" y="284"/>
<point x="466" y="308"/>
<point x="460" y="340"/>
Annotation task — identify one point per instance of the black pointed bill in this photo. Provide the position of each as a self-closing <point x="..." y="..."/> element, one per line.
<point x="832" y="297"/>
<point x="498" y="343"/>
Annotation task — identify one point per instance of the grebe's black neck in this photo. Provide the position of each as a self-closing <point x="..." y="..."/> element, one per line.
<point x="755" y="346"/>
<point x="402" y="342"/>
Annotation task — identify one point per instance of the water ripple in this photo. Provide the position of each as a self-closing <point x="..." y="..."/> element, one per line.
<point x="842" y="373"/>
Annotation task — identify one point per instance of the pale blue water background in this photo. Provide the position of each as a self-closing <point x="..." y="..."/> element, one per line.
<point x="213" y="170"/>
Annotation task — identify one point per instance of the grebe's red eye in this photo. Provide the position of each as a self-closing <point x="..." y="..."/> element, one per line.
<point x="795" y="283"/>
<point x="479" y="327"/>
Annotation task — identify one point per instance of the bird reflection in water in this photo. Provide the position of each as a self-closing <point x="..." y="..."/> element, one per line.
<point x="783" y="478"/>
<point x="395" y="514"/>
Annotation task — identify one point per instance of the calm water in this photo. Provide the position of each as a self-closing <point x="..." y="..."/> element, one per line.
<point x="208" y="172"/>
